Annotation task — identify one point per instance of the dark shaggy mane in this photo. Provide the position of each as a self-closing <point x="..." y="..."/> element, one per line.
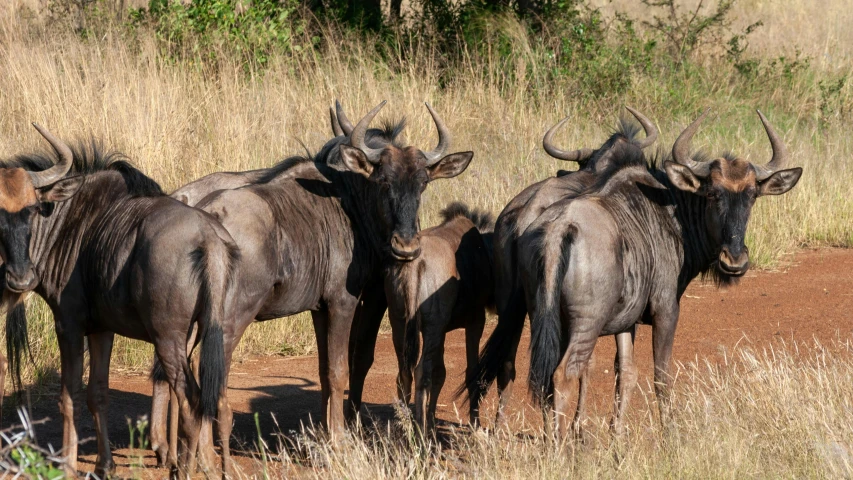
<point x="387" y="133"/>
<point x="91" y="157"/>
<point x="628" y="128"/>
<point x="481" y="219"/>
<point x="282" y="167"/>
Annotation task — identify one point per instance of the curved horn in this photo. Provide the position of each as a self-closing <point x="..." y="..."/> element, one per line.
<point x="579" y="155"/>
<point x="681" y="148"/>
<point x="357" y="135"/>
<point x="648" y="127"/>
<point x="443" y="138"/>
<point x="56" y="172"/>
<point x="336" y="127"/>
<point x="343" y="121"/>
<point x="780" y="152"/>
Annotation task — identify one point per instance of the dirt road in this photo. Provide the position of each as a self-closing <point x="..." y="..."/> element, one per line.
<point x="809" y="297"/>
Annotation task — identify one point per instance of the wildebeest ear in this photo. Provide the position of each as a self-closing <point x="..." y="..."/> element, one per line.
<point x="682" y="177"/>
<point x="780" y="182"/>
<point x="61" y="190"/>
<point x="451" y="165"/>
<point x="356" y="160"/>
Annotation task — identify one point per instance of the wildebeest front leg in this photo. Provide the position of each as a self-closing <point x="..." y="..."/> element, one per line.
<point x="664" y="322"/>
<point x="439" y="375"/>
<point x="626" y="378"/>
<point x="321" y="331"/>
<point x="368" y="318"/>
<point x="404" y="374"/>
<point x="100" y="350"/>
<point x="71" y="356"/>
<point x="341" y="315"/>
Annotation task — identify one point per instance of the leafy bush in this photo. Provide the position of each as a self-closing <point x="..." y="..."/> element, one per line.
<point x="201" y="28"/>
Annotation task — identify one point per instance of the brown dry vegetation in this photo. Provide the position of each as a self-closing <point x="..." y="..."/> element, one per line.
<point x="758" y="416"/>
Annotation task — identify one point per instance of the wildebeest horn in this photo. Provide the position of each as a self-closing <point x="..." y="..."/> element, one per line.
<point x="648" y="127"/>
<point x="681" y="148"/>
<point x="343" y="121"/>
<point x="580" y="155"/>
<point x="56" y="172"/>
<point x="780" y="153"/>
<point x="336" y="127"/>
<point x="443" y="138"/>
<point x="357" y="135"/>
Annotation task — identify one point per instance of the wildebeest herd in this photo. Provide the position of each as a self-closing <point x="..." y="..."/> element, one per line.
<point x="583" y="254"/>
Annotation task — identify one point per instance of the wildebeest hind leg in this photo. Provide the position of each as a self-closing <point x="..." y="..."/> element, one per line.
<point x="100" y="350"/>
<point x="514" y="314"/>
<point x="567" y="377"/>
<point x="626" y="378"/>
<point x="184" y="387"/>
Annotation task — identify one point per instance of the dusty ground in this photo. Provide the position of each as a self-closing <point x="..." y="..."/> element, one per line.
<point x="810" y="297"/>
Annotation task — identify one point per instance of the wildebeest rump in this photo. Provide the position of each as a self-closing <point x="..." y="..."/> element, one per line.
<point x="497" y="360"/>
<point x="625" y="252"/>
<point x="116" y="255"/>
<point x="449" y="286"/>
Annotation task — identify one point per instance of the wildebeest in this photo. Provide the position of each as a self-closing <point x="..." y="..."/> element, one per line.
<point x="330" y="154"/>
<point x="498" y="357"/>
<point x="449" y="286"/>
<point x="110" y="253"/>
<point x="623" y="254"/>
<point x="313" y="236"/>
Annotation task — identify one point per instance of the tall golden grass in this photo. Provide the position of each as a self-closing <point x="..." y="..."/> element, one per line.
<point x="178" y="121"/>
<point x="781" y="412"/>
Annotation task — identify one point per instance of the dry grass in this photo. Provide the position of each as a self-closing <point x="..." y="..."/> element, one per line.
<point x="783" y="412"/>
<point x="178" y="122"/>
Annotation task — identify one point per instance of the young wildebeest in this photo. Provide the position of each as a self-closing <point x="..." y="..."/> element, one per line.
<point x="372" y="302"/>
<point x="313" y="237"/>
<point x="448" y="286"/>
<point x="497" y="360"/>
<point x="110" y="253"/>
<point x="623" y="254"/>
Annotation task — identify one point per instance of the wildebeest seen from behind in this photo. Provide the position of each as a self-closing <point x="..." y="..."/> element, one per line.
<point x="110" y="253"/>
<point x="313" y="236"/>
<point x="497" y="360"/>
<point x="624" y="254"/>
<point x="449" y="286"/>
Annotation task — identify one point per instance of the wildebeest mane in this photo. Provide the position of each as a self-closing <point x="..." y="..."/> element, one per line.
<point x="282" y="167"/>
<point x="481" y="219"/>
<point x="91" y="157"/>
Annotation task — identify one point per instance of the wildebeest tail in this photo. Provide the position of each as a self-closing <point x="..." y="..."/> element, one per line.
<point x="550" y="265"/>
<point x="214" y="265"/>
<point x="17" y="338"/>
